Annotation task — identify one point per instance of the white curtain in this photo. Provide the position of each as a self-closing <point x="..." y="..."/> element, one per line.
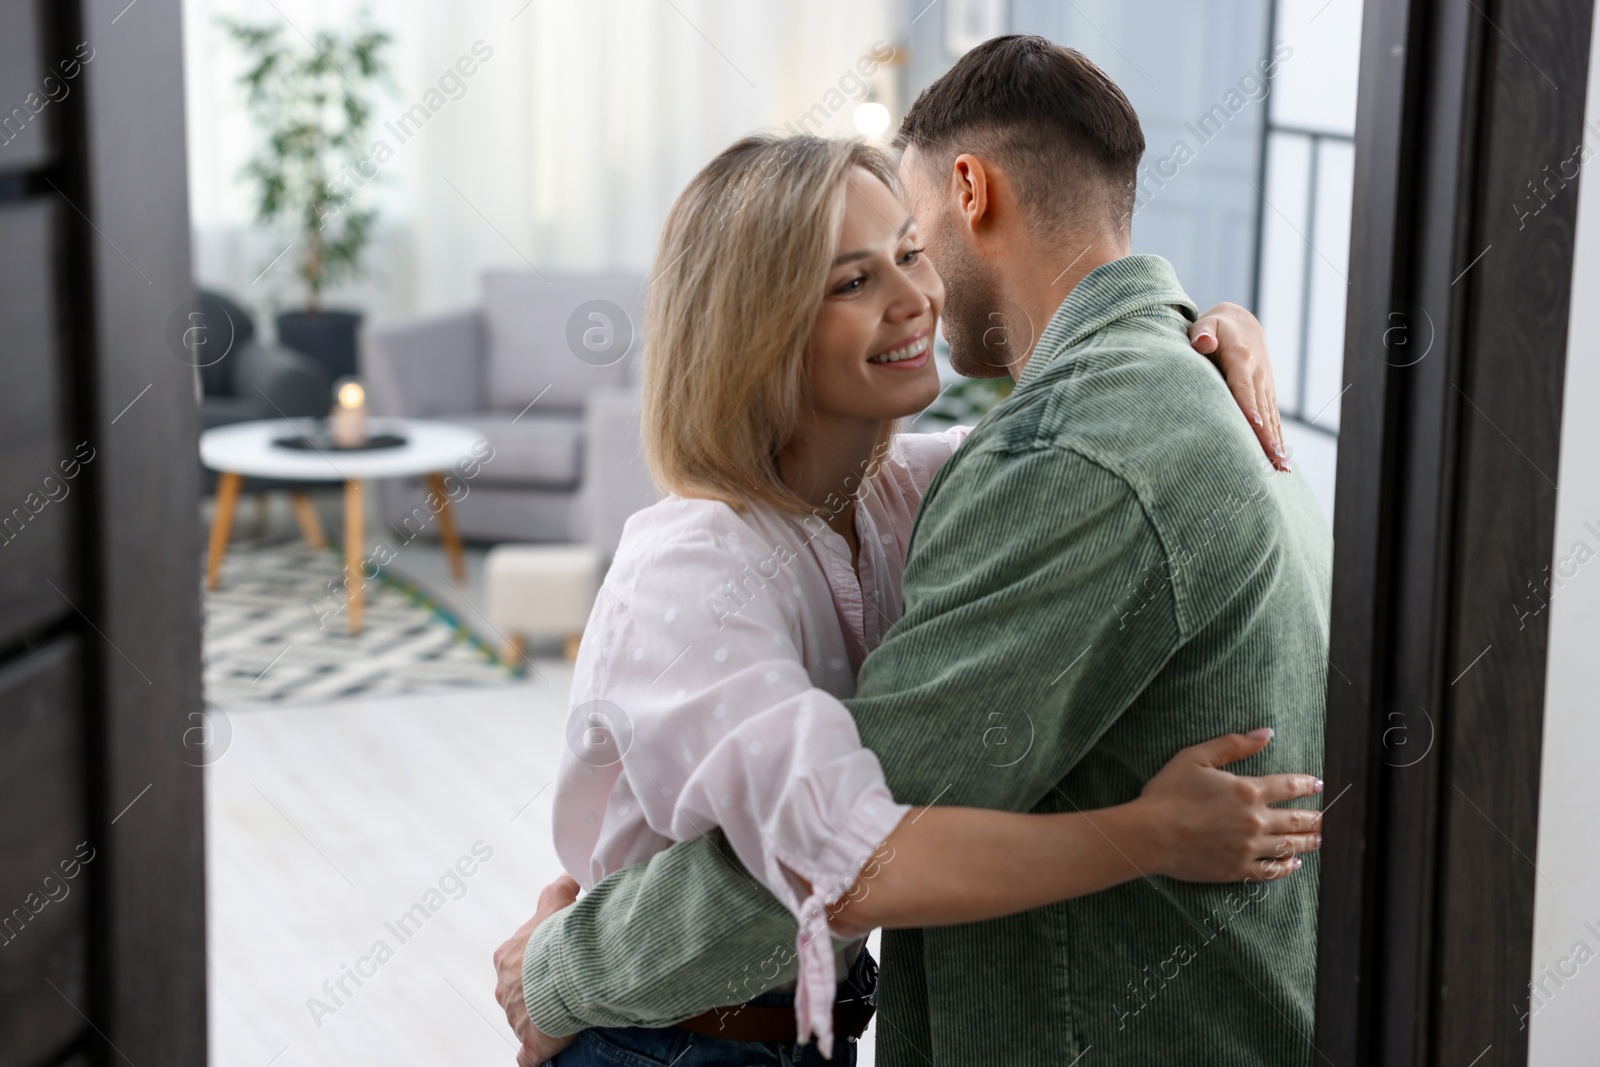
<point x="564" y="148"/>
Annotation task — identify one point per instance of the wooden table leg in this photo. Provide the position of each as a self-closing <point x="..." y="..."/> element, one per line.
<point x="222" y="525"/>
<point x="447" y="529"/>
<point x="306" y="517"/>
<point x="353" y="500"/>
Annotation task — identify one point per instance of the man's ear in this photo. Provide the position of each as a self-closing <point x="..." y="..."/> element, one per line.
<point x="970" y="180"/>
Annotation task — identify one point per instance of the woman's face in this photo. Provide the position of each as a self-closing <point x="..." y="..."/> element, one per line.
<point x="872" y="349"/>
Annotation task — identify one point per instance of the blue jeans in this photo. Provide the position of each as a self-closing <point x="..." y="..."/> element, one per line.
<point x="636" y="1046"/>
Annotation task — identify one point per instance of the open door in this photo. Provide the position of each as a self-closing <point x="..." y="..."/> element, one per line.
<point x="102" y="907"/>
<point x="1471" y="116"/>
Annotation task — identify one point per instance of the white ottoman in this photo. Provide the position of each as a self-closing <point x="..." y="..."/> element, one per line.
<point x="540" y="592"/>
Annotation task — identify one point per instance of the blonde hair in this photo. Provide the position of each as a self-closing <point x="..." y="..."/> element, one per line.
<point x="739" y="279"/>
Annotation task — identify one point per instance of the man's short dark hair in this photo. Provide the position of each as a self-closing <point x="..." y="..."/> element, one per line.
<point x="1047" y="115"/>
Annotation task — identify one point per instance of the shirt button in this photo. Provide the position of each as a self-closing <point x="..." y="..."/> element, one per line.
<point x="836" y="663"/>
<point x="638" y="653"/>
<point x="755" y="748"/>
<point x="888" y="539"/>
<point x="772" y="676"/>
<point x="672" y="613"/>
<point x="721" y="655"/>
<point x="720" y="711"/>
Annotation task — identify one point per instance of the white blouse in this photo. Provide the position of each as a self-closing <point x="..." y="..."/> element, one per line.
<point x="707" y="694"/>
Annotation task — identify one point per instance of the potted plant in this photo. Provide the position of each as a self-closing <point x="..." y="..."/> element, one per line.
<point x="311" y="105"/>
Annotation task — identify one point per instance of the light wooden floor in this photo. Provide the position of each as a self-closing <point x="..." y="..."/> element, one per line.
<point x="326" y="822"/>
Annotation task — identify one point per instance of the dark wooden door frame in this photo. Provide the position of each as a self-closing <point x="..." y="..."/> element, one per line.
<point x="1455" y="351"/>
<point x="121" y="183"/>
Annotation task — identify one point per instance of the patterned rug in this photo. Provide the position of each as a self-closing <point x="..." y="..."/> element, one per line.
<point x="276" y="630"/>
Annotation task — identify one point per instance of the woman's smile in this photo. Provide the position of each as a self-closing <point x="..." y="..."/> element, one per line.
<point x="907" y="354"/>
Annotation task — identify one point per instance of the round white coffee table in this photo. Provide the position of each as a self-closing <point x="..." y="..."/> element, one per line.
<point x="247" y="449"/>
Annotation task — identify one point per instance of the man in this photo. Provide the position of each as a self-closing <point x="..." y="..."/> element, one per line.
<point x="1103" y="574"/>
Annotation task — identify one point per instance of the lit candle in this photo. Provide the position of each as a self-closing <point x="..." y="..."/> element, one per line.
<point x="348" y="420"/>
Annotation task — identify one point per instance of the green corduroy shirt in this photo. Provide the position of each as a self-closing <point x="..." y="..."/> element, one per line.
<point x="1105" y="572"/>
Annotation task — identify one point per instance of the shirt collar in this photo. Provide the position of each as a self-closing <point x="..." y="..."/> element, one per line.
<point x="1109" y="292"/>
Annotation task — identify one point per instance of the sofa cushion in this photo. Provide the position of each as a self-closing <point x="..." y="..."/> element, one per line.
<point x="556" y="337"/>
<point x="225" y="323"/>
<point x="537" y="449"/>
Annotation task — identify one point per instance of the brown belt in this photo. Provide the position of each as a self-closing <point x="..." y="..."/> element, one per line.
<point x="765" y="1023"/>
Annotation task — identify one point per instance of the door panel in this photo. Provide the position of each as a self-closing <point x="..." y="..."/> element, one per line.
<point x="25" y="124"/>
<point x="44" y="882"/>
<point x="39" y="480"/>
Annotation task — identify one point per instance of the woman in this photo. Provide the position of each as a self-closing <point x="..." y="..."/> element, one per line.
<point x="790" y="323"/>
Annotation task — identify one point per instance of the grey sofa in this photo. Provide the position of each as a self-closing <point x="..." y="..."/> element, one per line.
<point x="254" y="380"/>
<point x="547" y="371"/>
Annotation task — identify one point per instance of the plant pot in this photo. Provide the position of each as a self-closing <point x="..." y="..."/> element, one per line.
<point x="327" y="336"/>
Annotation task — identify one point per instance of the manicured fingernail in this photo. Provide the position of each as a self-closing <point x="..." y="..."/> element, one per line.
<point x="1318" y="787"/>
<point x="1264" y="733"/>
<point x="1319" y="840"/>
<point x="1255" y="418"/>
<point x="1277" y="449"/>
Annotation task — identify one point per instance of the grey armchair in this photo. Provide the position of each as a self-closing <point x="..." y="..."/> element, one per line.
<point x="539" y="371"/>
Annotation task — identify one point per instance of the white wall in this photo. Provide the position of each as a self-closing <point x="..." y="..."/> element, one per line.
<point x="1565" y="1003"/>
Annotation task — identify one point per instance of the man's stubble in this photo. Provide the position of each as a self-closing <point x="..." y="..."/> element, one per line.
<point x="987" y="334"/>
